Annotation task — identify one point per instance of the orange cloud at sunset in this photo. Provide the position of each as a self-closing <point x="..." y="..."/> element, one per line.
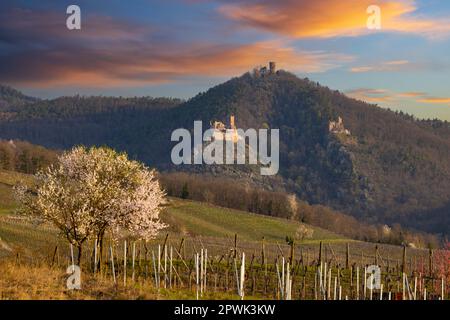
<point x="161" y="64"/>
<point x="330" y="18"/>
<point x="395" y="65"/>
<point x="435" y="100"/>
<point x="114" y="52"/>
<point x="370" y="95"/>
<point x="412" y="94"/>
<point x="385" y="96"/>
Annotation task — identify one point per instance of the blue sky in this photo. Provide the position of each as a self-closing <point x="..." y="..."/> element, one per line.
<point x="181" y="47"/>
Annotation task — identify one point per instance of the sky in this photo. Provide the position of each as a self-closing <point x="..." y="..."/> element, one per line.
<point x="178" y="48"/>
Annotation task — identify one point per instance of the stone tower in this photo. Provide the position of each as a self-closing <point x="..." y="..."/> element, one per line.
<point x="232" y="125"/>
<point x="272" y="67"/>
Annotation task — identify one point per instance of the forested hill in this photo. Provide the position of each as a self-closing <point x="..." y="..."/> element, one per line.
<point x="10" y="97"/>
<point x="391" y="168"/>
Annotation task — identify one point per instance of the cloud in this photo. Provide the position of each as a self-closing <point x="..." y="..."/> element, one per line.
<point x="435" y="100"/>
<point x="411" y="94"/>
<point x="387" y="66"/>
<point x="383" y="96"/>
<point x="40" y="51"/>
<point x="370" y="95"/>
<point x="330" y="18"/>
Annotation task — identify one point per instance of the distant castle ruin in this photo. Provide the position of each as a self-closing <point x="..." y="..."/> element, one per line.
<point x="264" y="71"/>
<point x="338" y="127"/>
<point x="221" y="133"/>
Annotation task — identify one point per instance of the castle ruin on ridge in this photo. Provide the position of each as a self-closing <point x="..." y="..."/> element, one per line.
<point x="338" y="127"/>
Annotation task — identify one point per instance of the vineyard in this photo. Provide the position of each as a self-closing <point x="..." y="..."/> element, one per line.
<point x="205" y="267"/>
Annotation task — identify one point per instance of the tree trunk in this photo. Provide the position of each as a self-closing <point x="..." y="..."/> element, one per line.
<point x="80" y="250"/>
<point x="100" y="243"/>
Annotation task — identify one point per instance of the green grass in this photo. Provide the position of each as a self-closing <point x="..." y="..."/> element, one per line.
<point x="193" y="218"/>
<point x="7" y="180"/>
<point x="184" y="217"/>
<point x="196" y="218"/>
<point x="10" y="178"/>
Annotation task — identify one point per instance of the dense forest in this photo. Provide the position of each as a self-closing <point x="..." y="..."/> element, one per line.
<point x="391" y="169"/>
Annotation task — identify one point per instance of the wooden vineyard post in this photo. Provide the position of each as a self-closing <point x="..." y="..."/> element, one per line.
<point x="325" y="273"/>
<point x="263" y="254"/>
<point x="430" y="263"/>
<point x="54" y="255"/>
<point x="288" y="285"/>
<point x="205" y="265"/>
<point x="235" y="245"/>
<point x="201" y="272"/>
<point x="133" y="261"/>
<point x="125" y="263"/>
<point x="95" y="255"/>
<point x="404" y="285"/>
<point x="351" y="277"/>
<point x="242" y="278"/>
<point x="164" y="246"/>
<point x="170" y="267"/>
<point x="335" y="288"/>
<point x="159" y="265"/>
<point x="381" y="292"/>
<point x="404" y="260"/>
<point x="376" y="255"/>
<point x="347" y="256"/>
<point x="291" y="258"/>
<point x="140" y="254"/>
<point x="315" y="285"/>
<point x="329" y="284"/>
<point x="357" y="283"/>
<point x="154" y="269"/>
<point x="165" y="265"/>
<point x="415" y="288"/>
<point x="112" y="264"/>
<point x="282" y="278"/>
<point x="197" y="274"/>
<point x="320" y="254"/>
<point x="365" y="282"/>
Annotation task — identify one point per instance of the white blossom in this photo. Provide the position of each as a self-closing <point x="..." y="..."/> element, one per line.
<point x="93" y="191"/>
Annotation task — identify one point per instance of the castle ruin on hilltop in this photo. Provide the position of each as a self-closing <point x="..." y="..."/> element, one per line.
<point x="261" y="71"/>
<point x="337" y="127"/>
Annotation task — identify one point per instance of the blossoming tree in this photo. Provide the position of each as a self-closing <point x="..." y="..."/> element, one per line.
<point x="93" y="191"/>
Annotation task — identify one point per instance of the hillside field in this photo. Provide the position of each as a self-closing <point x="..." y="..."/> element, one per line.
<point x="33" y="259"/>
<point x="198" y="223"/>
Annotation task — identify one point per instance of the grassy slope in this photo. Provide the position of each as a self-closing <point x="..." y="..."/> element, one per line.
<point x="196" y="218"/>
<point x="216" y="225"/>
<point x="184" y="217"/>
<point x="7" y="180"/>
